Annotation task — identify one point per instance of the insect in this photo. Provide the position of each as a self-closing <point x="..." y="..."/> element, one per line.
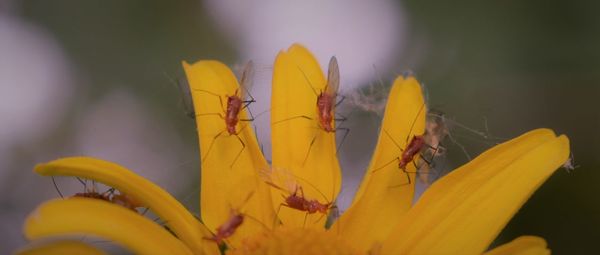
<point x="108" y="195"/>
<point x="89" y="192"/>
<point x="414" y="146"/>
<point x="126" y="201"/>
<point x="235" y="220"/>
<point x="228" y="228"/>
<point x="295" y="197"/>
<point x="326" y="99"/>
<point x="235" y="104"/>
<point x="326" y="103"/>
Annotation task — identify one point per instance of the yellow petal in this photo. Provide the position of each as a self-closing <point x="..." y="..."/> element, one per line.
<point x="385" y="195"/>
<point x="228" y="181"/>
<point x="300" y="146"/>
<point x="187" y="228"/>
<point x="523" y="245"/>
<point x="60" y="248"/>
<point x="85" y="216"/>
<point x="464" y="211"/>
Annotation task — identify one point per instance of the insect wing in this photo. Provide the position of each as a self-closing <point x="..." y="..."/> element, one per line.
<point x="186" y="95"/>
<point x="333" y="77"/>
<point x="279" y="178"/>
<point x="246" y="79"/>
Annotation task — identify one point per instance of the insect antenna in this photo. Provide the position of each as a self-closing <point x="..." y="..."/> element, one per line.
<point x="186" y="96"/>
<point x="84" y="183"/>
<point x="414" y="121"/>
<point x="308" y="81"/>
<point x="56" y="187"/>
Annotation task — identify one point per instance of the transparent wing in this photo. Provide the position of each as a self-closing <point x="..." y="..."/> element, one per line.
<point x="333" y="77"/>
<point x="279" y="178"/>
<point x="246" y="79"/>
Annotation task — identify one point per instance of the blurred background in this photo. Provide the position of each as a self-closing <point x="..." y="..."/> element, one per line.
<point x="99" y="78"/>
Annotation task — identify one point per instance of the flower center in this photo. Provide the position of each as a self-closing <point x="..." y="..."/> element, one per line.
<point x="294" y="241"/>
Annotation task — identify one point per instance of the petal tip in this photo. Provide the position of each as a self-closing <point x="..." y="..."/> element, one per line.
<point x="296" y="46"/>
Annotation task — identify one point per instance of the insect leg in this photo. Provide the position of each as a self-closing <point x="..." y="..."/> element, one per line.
<point x="241" y="150"/>
<point x="322" y="215"/>
<point x="394" y="141"/>
<point x="250" y="119"/>
<point x="305" y="216"/>
<point x="341" y="100"/>
<point x="211" y="114"/>
<point x="214" y="94"/>
<point x="277" y="213"/>
<point x="407" y="177"/>
<point x="257" y="221"/>
<point x="291" y="118"/>
<point x="308" y="81"/>
<point x="212" y="143"/>
<point x="346" y="132"/>
<point x="82" y="182"/>
<point x="56" y="187"/>
<point x="309" y="149"/>
<point x="386" y="164"/>
<point x="414" y="121"/>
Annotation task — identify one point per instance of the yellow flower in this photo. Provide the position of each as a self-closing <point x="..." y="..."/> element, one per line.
<point x="461" y="213"/>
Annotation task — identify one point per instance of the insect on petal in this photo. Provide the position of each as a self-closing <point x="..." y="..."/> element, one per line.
<point x="471" y="205"/>
<point x="99" y="218"/>
<point x="230" y="162"/>
<point x="300" y="145"/>
<point x="187" y="228"/>
<point x="385" y="194"/>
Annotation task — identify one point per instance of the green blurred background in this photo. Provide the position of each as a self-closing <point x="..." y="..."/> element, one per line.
<point x="519" y="65"/>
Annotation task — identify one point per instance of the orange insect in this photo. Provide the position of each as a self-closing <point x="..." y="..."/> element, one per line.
<point x="89" y="193"/>
<point x="299" y="202"/>
<point x="228" y="228"/>
<point x="126" y="201"/>
<point x="326" y="103"/>
<point x="108" y="195"/>
<point x="235" y="220"/>
<point x="416" y="144"/>
<point x="326" y="99"/>
<point x="295" y="197"/>
<point x="230" y="114"/>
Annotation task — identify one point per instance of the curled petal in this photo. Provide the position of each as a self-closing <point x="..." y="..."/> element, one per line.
<point x="300" y="145"/>
<point x="523" y="245"/>
<point x="87" y="216"/>
<point x="464" y="211"/>
<point x="60" y="248"/>
<point x="385" y="193"/>
<point x="187" y="228"/>
<point x="230" y="162"/>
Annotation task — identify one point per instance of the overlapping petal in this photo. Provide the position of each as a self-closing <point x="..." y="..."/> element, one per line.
<point x="461" y="213"/>
<point x="523" y="245"/>
<point x="300" y="146"/>
<point x="103" y="219"/>
<point x="60" y="248"/>
<point x="385" y="193"/>
<point x="464" y="211"/>
<point x="230" y="163"/>
<point x="187" y="228"/>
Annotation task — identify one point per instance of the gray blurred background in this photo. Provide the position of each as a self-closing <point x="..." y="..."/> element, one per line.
<point x="98" y="78"/>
